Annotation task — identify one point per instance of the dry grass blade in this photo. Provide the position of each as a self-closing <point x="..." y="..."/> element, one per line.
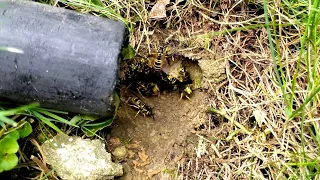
<point x="42" y="163"/>
<point x="252" y="98"/>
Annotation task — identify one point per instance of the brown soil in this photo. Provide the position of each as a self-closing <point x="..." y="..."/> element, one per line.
<point x="155" y="146"/>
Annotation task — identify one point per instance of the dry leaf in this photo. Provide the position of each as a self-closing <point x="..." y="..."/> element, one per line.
<point x="115" y="141"/>
<point x="132" y="146"/>
<point x="259" y="116"/>
<point x="178" y="158"/>
<point x="143" y="156"/>
<point x="151" y="173"/>
<point x="139" y="163"/>
<point x="158" y="11"/>
<point x="143" y="159"/>
<point x="131" y="154"/>
<point x="141" y="171"/>
<point x="182" y="161"/>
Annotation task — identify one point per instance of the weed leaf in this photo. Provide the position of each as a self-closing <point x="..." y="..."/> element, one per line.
<point x="8" y="145"/>
<point x="128" y="52"/>
<point x="25" y="130"/>
<point x="8" y="162"/>
<point x="91" y="129"/>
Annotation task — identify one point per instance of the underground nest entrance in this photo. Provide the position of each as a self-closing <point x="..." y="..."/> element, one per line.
<point x="151" y="75"/>
<point x="172" y="97"/>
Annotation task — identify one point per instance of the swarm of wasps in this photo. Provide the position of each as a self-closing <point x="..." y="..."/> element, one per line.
<point x="146" y="76"/>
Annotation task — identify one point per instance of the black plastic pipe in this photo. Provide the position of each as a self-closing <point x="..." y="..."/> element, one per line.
<point x="60" y="58"/>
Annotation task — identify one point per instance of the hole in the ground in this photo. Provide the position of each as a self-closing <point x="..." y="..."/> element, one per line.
<point x="216" y="120"/>
<point x="155" y="74"/>
<point x="252" y="122"/>
<point x="199" y="127"/>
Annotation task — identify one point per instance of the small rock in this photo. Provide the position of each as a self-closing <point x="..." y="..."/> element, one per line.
<point x="120" y="152"/>
<point x="74" y="158"/>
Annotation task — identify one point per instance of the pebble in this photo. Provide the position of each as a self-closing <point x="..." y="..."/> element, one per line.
<point x="120" y="152"/>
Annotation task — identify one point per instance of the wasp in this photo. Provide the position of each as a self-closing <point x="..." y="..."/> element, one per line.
<point x="156" y="60"/>
<point x="172" y="79"/>
<point x="155" y="89"/>
<point x="142" y="108"/>
<point x="144" y="89"/>
<point x="187" y="91"/>
<point x="169" y="83"/>
<point x="147" y="89"/>
<point x="183" y="76"/>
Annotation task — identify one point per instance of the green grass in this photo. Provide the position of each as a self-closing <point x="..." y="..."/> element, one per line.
<point x="305" y="15"/>
<point x="295" y="100"/>
<point x="16" y="124"/>
<point x="96" y="6"/>
<point x="8" y="116"/>
<point x="308" y="56"/>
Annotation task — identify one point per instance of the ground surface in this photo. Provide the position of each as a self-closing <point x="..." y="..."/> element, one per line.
<point x="163" y="139"/>
<point x="250" y="132"/>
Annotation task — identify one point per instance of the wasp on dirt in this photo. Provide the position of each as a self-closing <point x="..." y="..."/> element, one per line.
<point x="186" y="92"/>
<point x="142" y="108"/>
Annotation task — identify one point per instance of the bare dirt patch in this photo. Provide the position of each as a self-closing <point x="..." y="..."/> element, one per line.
<point x="161" y="138"/>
